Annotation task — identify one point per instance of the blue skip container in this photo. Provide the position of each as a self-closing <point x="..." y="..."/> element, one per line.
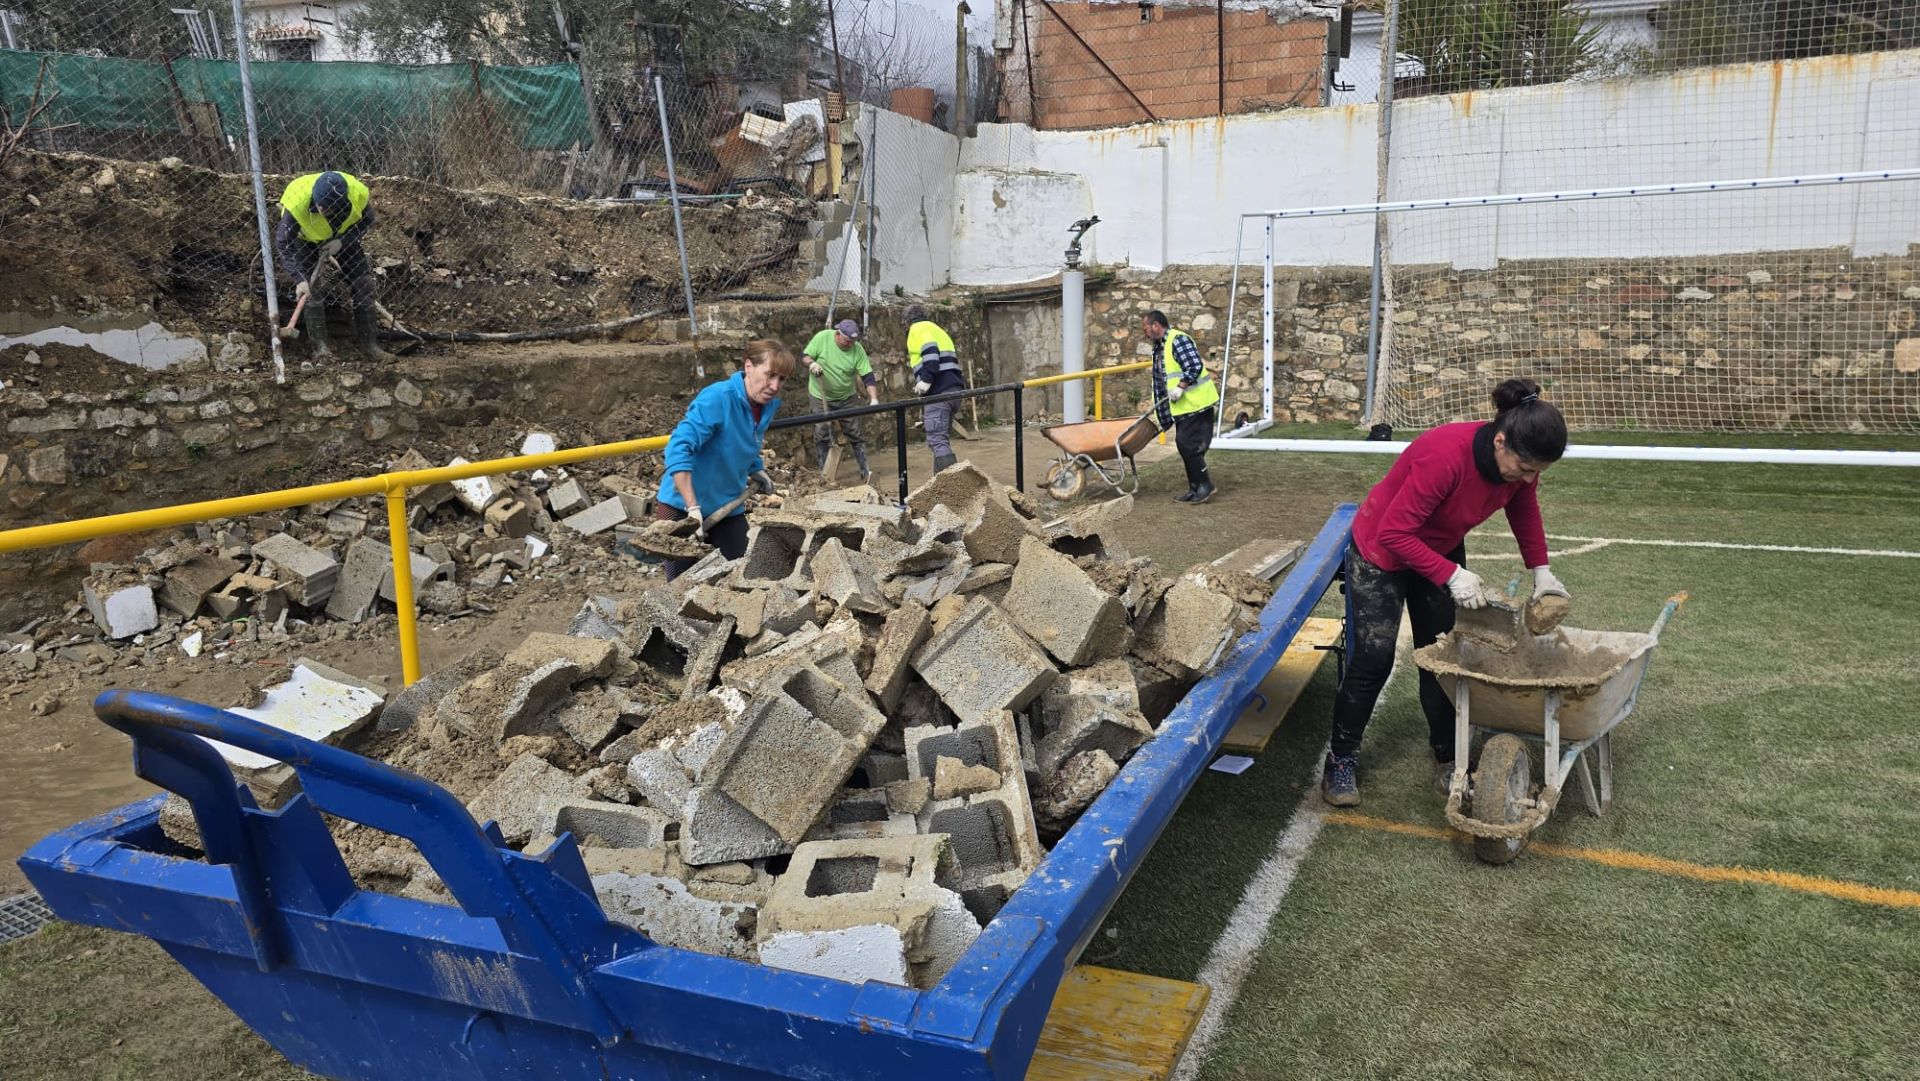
<point x="527" y="978"/>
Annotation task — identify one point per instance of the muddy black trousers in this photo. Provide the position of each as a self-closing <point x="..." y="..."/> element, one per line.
<point x="1377" y="597"/>
<point x="1192" y="435"/>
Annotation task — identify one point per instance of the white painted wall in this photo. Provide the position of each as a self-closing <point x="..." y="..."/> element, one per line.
<point x="916" y="167"/>
<point x="325" y="19"/>
<point x="1823" y="115"/>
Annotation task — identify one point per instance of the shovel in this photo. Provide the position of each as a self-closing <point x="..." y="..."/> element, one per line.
<point x="682" y="538"/>
<point x="1503" y="624"/>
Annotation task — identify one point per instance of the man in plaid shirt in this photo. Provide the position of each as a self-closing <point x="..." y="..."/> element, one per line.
<point x="1184" y="399"/>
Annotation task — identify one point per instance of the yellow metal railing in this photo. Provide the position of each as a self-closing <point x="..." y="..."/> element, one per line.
<point x="394" y="488"/>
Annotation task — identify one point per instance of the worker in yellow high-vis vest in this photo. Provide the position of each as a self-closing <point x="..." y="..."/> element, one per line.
<point x="323" y="217"/>
<point x="1184" y="399"/>
<point x="936" y="370"/>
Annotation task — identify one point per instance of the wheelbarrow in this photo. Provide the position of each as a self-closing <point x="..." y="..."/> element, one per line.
<point x="1567" y="691"/>
<point x="1088" y="446"/>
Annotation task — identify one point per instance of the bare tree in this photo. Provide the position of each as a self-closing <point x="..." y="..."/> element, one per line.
<point x="13" y="135"/>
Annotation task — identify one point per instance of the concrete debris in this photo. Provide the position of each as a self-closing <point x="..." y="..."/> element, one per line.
<point x="995" y="841"/>
<point x="830" y="913"/>
<point x="566" y="498"/>
<point x="316" y="702"/>
<point x="522" y="800"/>
<point x="477" y="493"/>
<point x="184" y="588"/>
<point x="1188" y="629"/>
<point x="982" y="664"/>
<point x="1063" y="609"/>
<point x="310" y="574"/>
<point x="846" y="578"/>
<point x="1073" y="788"/>
<point x="122" y="607"/>
<point x="905" y="631"/>
<point x="598" y="518"/>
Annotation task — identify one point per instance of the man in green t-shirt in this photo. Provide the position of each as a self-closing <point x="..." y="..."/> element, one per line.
<point x="838" y="363"/>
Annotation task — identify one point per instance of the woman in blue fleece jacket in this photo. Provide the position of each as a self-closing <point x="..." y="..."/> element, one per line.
<point x="715" y="451"/>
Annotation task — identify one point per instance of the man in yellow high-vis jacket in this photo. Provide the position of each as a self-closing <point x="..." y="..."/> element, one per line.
<point x="323" y="216"/>
<point x="936" y="370"/>
<point x="1184" y="399"/>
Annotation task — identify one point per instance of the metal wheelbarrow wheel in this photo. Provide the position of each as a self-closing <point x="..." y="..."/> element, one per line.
<point x="1065" y="479"/>
<point x="1500" y="791"/>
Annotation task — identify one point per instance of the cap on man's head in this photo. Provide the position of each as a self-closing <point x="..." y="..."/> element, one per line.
<point x="848" y="327"/>
<point x="330" y="197"/>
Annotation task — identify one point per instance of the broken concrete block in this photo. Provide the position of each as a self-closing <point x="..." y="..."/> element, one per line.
<point x="309" y="573"/>
<point x="632" y="494"/>
<point x="681" y="652"/>
<point x="423" y="571"/>
<point x="317" y="702"/>
<point x="666" y="910"/>
<point x="718" y="830"/>
<point x="430" y="497"/>
<point x="598" y="518"/>
<point x="894" y="883"/>
<point x="1188" y="629"/>
<point x="538" y="443"/>
<point x="509" y="518"/>
<point x="122" y="608"/>
<point x="953" y="778"/>
<point x="1073" y="788"/>
<point x="566" y="497"/>
<point x="797" y="743"/>
<point x="747" y="607"/>
<point x="186" y="586"/>
<point x="995" y="533"/>
<point x="591" y="717"/>
<point x="941" y="583"/>
<point x="1088" y="529"/>
<point x="995" y="842"/>
<point x="906" y="630"/>
<point x="521" y="800"/>
<point x="597" y="824"/>
<point x="831" y="649"/>
<point x="908" y="796"/>
<point x="982" y="664"/>
<point x="477" y="493"/>
<point x="512" y="699"/>
<point x="775" y="553"/>
<point x="703" y="665"/>
<point x="369" y="565"/>
<point x="1063" y="609"/>
<point x="871" y="952"/>
<point x="786" y="611"/>
<point x="961" y="488"/>
<point x="846" y="577"/>
<point x="861" y="814"/>
<point x="596" y="658"/>
<point x="595" y="619"/>
<point x="409" y="703"/>
<point x="657" y="775"/>
<point x="1095" y="708"/>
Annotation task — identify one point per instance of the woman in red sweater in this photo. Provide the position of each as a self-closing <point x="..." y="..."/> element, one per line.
<point x="1409" y="551"/>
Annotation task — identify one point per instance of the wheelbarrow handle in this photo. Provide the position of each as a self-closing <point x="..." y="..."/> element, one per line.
<point x="1667" y="612"/>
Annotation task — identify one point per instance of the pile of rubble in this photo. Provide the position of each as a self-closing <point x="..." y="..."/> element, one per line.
<point x="840" y="753"/>
<point x="330" y="564"/>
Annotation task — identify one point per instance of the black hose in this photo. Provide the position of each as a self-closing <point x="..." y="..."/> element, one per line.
<point x="546" y="334"/>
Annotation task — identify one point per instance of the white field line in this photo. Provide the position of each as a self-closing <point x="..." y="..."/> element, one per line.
<point x="1238" y="947"/>
<point x="1591" y="544"/>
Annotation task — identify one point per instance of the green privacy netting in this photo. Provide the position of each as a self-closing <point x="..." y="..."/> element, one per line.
<point x="342" y="99"/>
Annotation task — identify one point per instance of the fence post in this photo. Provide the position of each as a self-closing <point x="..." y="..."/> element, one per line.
<point x="259" y="192"/>
<point x="1383" y="160"/>
<point x="679" y="236"/>
<point x="400" y="542"/>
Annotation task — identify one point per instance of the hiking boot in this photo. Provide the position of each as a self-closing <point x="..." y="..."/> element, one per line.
<point x="1204" y="492"/>
<point x="1339" y="784"/>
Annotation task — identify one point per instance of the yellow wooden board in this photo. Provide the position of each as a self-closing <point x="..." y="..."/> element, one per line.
<point x="1282" y="686"/>
<point x="1107" y="1025"/>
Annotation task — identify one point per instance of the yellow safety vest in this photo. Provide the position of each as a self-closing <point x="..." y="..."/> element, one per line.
<point x="297" y="200"/>
<point x="926" y="341"/>
<point x="1198" y="396"/>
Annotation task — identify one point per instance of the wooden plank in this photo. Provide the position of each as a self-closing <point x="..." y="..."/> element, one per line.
<point x="1107" y="1025"/>
<point x="1282" y="687"/>
<point x="1265" y="559"/>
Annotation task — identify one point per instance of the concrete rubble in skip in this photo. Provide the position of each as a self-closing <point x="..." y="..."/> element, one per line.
<point x="840" y="754"/>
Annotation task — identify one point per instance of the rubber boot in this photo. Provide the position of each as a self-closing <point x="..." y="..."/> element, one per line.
<point x="1203" y="491"/>
<point x="313" y="323"/>
<point x="364" y="334"/>
<point x="942" y="461"/>
<point x="1188" y="498"/>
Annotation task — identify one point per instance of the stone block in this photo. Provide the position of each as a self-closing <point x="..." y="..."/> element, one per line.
<point x="995" y="533"/>
<point x="747" y="607"/>
<point x="522" y="799"/>
<point x="1188" y="629"/>
<point x="775" y="553"/>
<point x="846" y="577"/>
<point x="1060" y="606"/>
<point x="566" y="497"/>
<point x="599" y="824"/>
<point x="509" y="518"/>
<point x="982" y="664"/>
<point x="598" y="518"/>
<point x="995" y="842"/>
<point x="185" y="587"/>
<point x="309" y="573"/>
<point x="121" y="608"/>
<point x="1094" y="708"/>
<point x="906" y="629"/>
<point x="369" y="566"/>
<point x="797" y="743"/>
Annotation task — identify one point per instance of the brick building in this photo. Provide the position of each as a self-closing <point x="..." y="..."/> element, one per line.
<point x="1101" y="63"/>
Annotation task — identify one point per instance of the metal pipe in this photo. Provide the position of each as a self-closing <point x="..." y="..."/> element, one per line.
<point x="1019" y="439"/>
<point x="1576" y="195"/>
<point x="1220" y="48"/>
<point x="870" y="171"/>
<point x="1613" y="452"/>
<point x="1099" y="397"/>
<point x="1073" y="343"/>
<point x="900" y="450"/>
<point x="679" y="235"/>
<point x="1389" y="45"/>
<point x="259" y="191"/>
<point x="1233" y="301"/>
<point x="1266" y="325"/>
<point x="400" y="542"/>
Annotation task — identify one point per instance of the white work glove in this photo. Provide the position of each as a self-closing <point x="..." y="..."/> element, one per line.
<point x="922" y="388"/>
<point x="301" y="289"/>
<point x="1547" y="584"/>
<point x="814" y="367"/>
<point x="762" y="481"/>
<point x="1174" y="393"/>
<point x="1467" y="590"/>
<point x="330" y="249"/>
<point x="699" y="519"/>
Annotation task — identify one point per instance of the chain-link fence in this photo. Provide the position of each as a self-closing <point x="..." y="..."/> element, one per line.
<point x="477" y="125"/>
